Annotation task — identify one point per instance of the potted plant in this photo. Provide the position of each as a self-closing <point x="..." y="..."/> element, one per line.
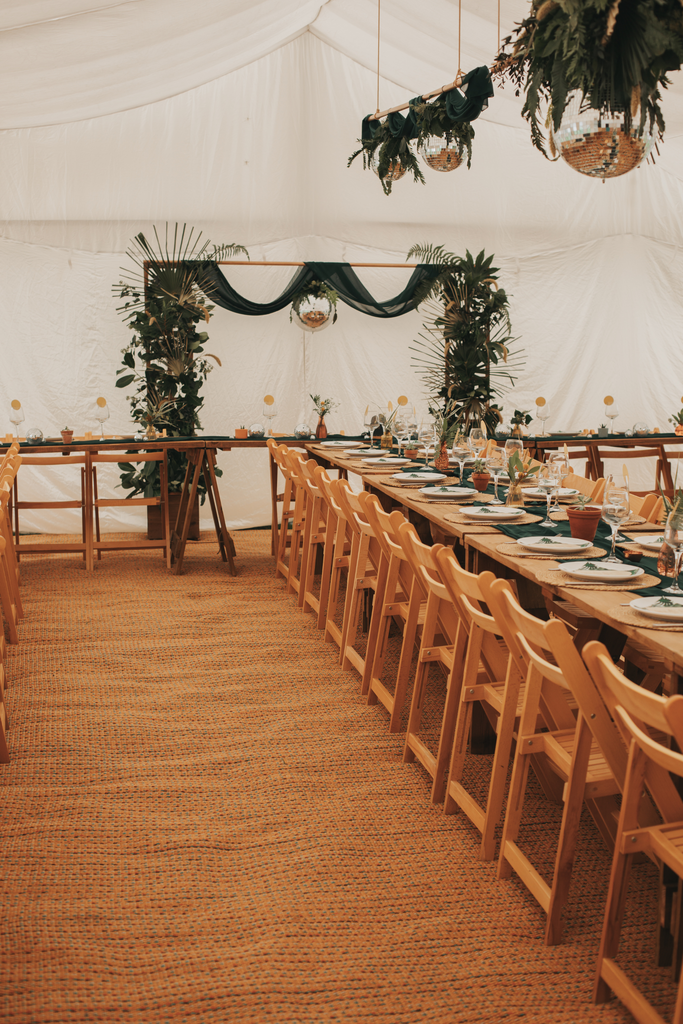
<point x="519" y="471"/>
<point x="677" y="420"/>
<point x="322" y="407"/>
<point x="520" y="418"/>
<point x="603" y="431"/>
<point x="67" y="435"/>
<point x="480" y="475"/>
<point x="241" y="432"/>
<point x="583" y="518"/>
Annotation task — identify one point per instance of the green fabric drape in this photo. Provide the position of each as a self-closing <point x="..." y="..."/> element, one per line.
<point x="339" y="276"/>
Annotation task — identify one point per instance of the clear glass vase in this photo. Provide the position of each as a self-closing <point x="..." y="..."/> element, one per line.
<point x="514" y="495"/>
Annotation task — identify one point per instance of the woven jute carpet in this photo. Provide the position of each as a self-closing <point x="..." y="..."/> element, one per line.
<point x="203" y="821"/>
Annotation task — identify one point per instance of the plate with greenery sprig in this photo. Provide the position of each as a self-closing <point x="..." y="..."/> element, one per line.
<point x="601" y="572"/>
<point x="552" y="544"/>
<point x="663" y="607"/>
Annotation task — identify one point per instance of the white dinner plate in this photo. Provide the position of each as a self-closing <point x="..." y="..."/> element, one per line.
<point x="602" y="572"/>
<point x="447" y="492"/>
<point x="557" y="544"/>
<point x="424" y="477"/>
<point x="652" y="541"/>
<point x="664" y="607"/>
<point x="561" y="492"/>
<point x="495" y="514"/>
<point x="388" y="460"/>
<point x="341" y="444"/>
<point x="363" y="453"/>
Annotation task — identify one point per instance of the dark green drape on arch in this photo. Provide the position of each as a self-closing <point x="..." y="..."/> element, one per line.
<point x="340" y="276"/>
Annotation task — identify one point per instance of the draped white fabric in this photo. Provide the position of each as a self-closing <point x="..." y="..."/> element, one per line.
<point x="239" y="118"/>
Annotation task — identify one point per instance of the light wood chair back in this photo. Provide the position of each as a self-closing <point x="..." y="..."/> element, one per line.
<point x="314" y="536"/>
<point x="341" y="554"/>
<point x="278" y="452"/>
<point x="555" y="674"/>
<point x="95" y="544"/>
<point x="649" y="506"/>
<point x="398" y="598"/>
<point x="443" y="643"/>
<point x="593" y="488"/>
<point x="649" y="723"/>
<point x="489" y="678"/>
<point x="363" y="577"/>
<point x="295" y="463"/>
<point x="10" y="597"/>
<point x="289" y="460"/>
<point x="31" y="547"/>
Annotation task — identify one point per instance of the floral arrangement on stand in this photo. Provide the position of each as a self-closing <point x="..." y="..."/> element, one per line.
<point x="464" y="356"/>
<point x="322" y="406"/>
<point x="167" y="297"/>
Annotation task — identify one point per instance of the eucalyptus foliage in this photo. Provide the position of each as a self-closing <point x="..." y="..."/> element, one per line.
<point x="464" y="354"/>
<point x="167" y="298"/>
<point x="616" y="53"/>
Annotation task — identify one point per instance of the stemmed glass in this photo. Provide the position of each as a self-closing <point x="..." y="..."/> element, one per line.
<point x="373" y="421"/>
<point x="494" y="464"/>
<point x="562" y="467"/>
<point x="427" y="437"/>
<point x="269" y="411"/>
<point x="463" y="454"/>
<point x="611" y="413"/>
<point x="512" y="445"/>
<point x="476" y="440"/>
<point x="548" y="481"/>
<point x="673" y="536"/>
<point x="101" y="413"/>
<point x="615" y="509"/>
<point x="542" y="413"/>
<point x="16" y="414"/>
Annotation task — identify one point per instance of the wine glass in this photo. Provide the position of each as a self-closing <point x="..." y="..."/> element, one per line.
<point x="373" y="421"/>
<point x="426" y="437"/>
<point x="269" y="411"/>
<point x="101" y="413"/>
<point x="494" y="464"/>
<point x="615" y="509"/>
<point x="559" y="460"/>
<point x="542" y="413"/>
<point x="611" y="413"/>
<point x="463" y="454"/>
<point x="476" y="440"/>
<point x="16" y="415"/>
<point x="548" y="480"/>
<point x="673" y="536"/>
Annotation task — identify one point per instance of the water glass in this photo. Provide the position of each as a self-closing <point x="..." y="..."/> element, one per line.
<point x="548" y="480"/>
<point x="615" y="510"/>
<point x="673" y="536"/>
<point x="462" y="455"/>
<point x="494" y="464"/>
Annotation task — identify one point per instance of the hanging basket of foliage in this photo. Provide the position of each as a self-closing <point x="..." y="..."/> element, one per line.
<point x="610" y="57"/>
<point x="315" y="307"/>
<point x="464" y="354"/>
<point x="385" y="144"/>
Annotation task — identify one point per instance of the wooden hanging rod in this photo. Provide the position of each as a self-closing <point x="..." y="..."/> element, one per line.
<point x="270" y="263"/>
<point x="425" y="96"/>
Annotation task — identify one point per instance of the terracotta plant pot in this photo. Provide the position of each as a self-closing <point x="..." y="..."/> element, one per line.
<point x="678" y="429"/>
<point x="481" y="480"/>
<point x="241" y="432"/>
<point x="410" y="453"/>
<point x="583" y="522"/>
<point x="67" y="436"/>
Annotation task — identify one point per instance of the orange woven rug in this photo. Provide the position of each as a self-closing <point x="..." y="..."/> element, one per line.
<point x="203" y="822"/>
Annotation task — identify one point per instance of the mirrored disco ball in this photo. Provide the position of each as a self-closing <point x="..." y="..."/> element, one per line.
<point x="598" y="144"/>
<point x="314" y="314"/>
<point x="396" y="168"/>
<point x="302" y="430"/>
<point x="34" y="436"/>
<point x="440" y="154"/>
<point x="257" y="430"/>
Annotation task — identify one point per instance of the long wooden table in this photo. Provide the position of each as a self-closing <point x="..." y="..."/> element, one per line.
<point x="481" y="542"/>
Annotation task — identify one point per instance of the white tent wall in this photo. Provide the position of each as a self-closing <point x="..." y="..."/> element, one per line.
<point x="259" y="156"/>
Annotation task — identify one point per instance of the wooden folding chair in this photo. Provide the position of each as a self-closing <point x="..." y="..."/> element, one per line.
<point x="593" y="488"/>
<point x="10" y="598"/>
<point x="492" y="678"/>
<point x="289" y="461"/>
<point x="400" y="598"/>
<point x="585" y="753"/>
<point x="444" y="642"/>
<point x="301" y="504"/>
<point x="279" y="453"/>
<point x="334" y="524"/>
<point x="362" y="579"/>
<point x="621" y="455"/>
<point x="314" y="536"/>
<point x="42" y="461"/>
<point x="342" y="549"/>
<point x="94" y="544"/>
<point x="648" y="723"/>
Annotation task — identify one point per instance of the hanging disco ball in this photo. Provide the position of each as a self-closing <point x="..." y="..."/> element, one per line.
<point x="302" y="430"/>
<point x="34" y="436"/>
<point x="440" y="154"/>
<point x="314" y="313"/>
<point x="396" y="168"/>
<point x="598" y="144"/>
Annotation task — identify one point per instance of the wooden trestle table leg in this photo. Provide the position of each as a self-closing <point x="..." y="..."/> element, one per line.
<point x="195" y="457"/>
<point x="225" y="541"/>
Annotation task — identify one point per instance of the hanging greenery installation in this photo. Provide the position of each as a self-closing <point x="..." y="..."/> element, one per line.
<point x="314" y="305"/>
<point x="464" y="354"/>
<point x="616" y="54"/>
